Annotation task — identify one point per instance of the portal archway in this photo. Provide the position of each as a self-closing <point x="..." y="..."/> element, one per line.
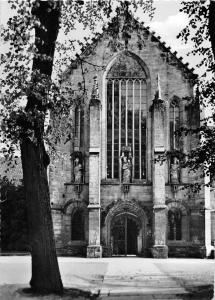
<point x="125" y="228"/>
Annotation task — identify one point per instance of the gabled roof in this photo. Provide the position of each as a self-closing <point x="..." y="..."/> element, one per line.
<point x="171" y="57"/>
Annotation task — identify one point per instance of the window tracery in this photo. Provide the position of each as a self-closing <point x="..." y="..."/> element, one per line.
<point x="126" y="116"/>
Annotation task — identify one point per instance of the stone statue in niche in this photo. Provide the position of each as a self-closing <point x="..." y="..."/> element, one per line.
<point x="126" y="160"/>
<point x="174" y="171"/>
<point x="78" y="168"/>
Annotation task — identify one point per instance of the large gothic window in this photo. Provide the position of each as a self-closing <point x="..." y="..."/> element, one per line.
<point x="126" y="115"/>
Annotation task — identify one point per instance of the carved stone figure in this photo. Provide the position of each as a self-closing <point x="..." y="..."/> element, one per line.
<point x="126" y="168"/>
<point x="77" y="170"/>
<point x="174" y="172"/>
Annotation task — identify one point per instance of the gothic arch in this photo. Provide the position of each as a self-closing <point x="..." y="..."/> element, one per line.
<point x="134" y="56"/>
<point x="147" y="81"/>
<point x="69" y="209"/>
<point x="71" y="205"/>
<point x="176" y="204"/>
<point x="129" y="207"/>
<point x="184" y="218"/>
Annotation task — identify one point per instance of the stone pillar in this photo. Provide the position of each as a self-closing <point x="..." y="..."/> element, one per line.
<point x="160" y="249"/>
<point x="208" y="246"/>
<point x="0" y="227"/>
<point x="94" y="248"/>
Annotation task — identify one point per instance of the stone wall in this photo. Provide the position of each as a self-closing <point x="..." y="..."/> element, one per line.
<point x="175" y="80"/>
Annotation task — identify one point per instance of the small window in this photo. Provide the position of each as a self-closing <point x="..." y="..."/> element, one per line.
<point x="174" y="123"/>
<point x="78" y="226"/>
<point x="79" y="126"/>
<point x="174" y="224"/>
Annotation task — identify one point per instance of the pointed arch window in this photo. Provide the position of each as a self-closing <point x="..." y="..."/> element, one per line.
<point x="79" y="126"/>
<point x="174" y="224"/>
<point x="126" y="115"/>
<point x="78" y="226"/>
<point x="174" y="119"/>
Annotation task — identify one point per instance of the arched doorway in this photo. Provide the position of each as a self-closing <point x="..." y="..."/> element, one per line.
<point x="134" y="237"/>
<point x="124" y="234"/>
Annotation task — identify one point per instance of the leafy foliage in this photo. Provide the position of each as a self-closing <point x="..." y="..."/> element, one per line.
<point x="14" y="228"/>
<point x="50" y="97"/>
<point x="199" y="32"/>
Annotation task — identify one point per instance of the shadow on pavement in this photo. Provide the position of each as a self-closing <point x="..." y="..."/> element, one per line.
<point x="20" y="292"/>
<point x="68" y="293"/>
<point x="203" y="292"/>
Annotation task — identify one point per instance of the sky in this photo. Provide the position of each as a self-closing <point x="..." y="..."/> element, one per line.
<point x="167" y="23"/>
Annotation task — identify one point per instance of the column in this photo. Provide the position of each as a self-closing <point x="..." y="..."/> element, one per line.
<point x="0" y="229"/>
<point x="160" y="249"/>
<point x="208" y="246"/>
<point x="94" y="248"/>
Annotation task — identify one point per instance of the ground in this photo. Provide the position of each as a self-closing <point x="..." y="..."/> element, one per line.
<point x="114" y="278"/>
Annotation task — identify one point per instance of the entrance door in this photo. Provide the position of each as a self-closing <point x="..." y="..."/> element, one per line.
<point x="124" y="233"/>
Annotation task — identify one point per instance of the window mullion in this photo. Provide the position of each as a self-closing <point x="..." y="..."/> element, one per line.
<point x="79" y="127"/>
<point x="112" y="155"/>
<point x="173" y="127"/>
<point x="133" y="140"/>
<point x="120" y="128"/>
<point x="126" y="115"/>
<point x="140" y="142"/>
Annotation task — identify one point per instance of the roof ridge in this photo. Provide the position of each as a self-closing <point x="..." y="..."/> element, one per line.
<point x="168" y="48"/>
<point x="157" y="38"/>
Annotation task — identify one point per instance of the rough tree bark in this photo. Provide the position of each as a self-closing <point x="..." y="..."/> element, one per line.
<point x="45" y="270"/>
<point x="211" y="24"/>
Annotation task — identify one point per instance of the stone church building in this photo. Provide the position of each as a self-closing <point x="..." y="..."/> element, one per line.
<point x="108" y="195"/>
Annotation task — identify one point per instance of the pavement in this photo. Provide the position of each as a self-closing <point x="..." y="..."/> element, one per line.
<point x="115" y="278"/>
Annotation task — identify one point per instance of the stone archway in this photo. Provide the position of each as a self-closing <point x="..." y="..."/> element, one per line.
<point x="69" y="209"/>
<point x="125" y="230"/>
<point x="131" y="221"/>
<point x="174" y="205"/>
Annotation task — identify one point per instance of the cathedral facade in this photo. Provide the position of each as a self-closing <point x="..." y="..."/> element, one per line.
<point x="110" y="194"/>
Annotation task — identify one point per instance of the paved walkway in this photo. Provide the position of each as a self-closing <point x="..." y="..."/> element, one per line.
<point x="121" y="278"/>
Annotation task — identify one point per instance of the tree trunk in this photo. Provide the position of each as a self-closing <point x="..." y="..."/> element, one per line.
<point x="211" y="25"/>
<point x="45" y="270"/>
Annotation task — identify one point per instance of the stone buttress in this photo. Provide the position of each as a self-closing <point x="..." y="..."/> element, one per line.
<point x="94" y="248"/>
<point x="160" y="249"/>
